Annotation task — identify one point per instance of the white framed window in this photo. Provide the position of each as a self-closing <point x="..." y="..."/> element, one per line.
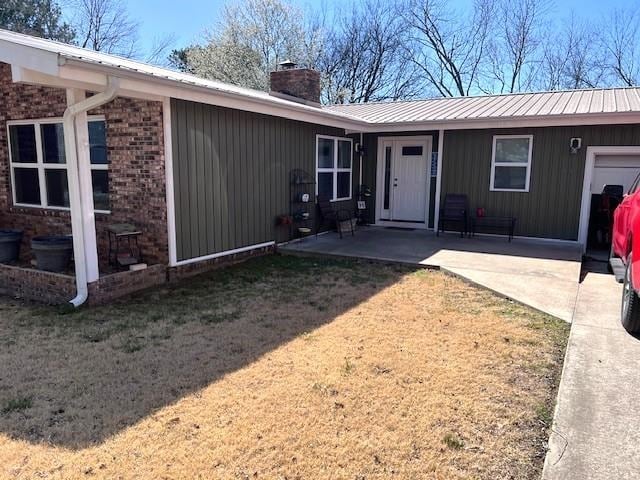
<point x="511" y="163"/>
<point x="39" y="165"/>
<point x="334" y="167"/>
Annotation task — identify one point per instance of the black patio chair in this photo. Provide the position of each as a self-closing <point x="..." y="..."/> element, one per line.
<point x="331" y="216"/>
<point x="454" y="210"/>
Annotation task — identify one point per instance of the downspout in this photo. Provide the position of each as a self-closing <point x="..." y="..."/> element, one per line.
<point x="360" y="166"/>
<point x="436" y="211"/>
<point x="75" y="199"/>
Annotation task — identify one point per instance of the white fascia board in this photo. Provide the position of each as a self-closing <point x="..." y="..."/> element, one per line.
<point x="32" y="77"/>
<point x="29" y="57"/>
<point x="23" y="75"/>
<point x="146" y="84"/>
<point x="511" y="122"/>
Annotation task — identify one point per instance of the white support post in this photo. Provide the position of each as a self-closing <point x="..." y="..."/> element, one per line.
<point x="436" y="213"/>
<point x="86" y="188"/>
<point x="168" y="172"/>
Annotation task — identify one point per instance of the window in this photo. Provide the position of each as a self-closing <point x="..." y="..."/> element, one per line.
<point x="511" y="163"/>
<point x="412" y="151"/>
<point x="334" y="168"/>
<point x="387" y="178"/>
<point x="39" y="164"/>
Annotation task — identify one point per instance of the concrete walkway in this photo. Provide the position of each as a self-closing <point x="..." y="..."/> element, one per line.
<point x="543" y="275"/>
<point x="596" y="433"/>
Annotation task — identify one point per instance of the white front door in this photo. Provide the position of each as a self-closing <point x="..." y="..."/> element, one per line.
<point x="403" y="174"/>
<point x="410" y="182"/>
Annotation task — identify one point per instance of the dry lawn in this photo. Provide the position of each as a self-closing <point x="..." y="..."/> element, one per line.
<point x="281" y="368"/>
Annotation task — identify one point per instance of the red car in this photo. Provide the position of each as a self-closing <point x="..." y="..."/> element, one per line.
<point x="625" y="255"/>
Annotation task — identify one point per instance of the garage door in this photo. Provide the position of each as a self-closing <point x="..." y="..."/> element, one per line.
<point x="614" y="170"/>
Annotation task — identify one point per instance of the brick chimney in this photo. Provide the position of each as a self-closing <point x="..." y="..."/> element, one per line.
<point x="297" y="84"/>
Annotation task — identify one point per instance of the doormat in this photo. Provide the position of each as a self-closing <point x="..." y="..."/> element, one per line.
<point x="400" y="228"/>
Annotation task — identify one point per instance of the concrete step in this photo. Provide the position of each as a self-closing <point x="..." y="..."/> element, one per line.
<point x="618" y="269"/>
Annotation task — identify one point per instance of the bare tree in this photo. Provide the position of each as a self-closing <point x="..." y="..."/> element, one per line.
<point x="621" y="43"/>
<point x="105" y="25"/>
<point x="515" y="44"/>
<point x="227" y="62"/>
<point x="248" y="43"/>
<point x="364" y="58"/>
<point x="272" y="28"/>
<point x="449" y="47"/>
<point x="159" y="53"/>
<point x="572" y="58"/>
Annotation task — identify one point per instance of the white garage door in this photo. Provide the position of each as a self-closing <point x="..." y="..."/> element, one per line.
<point x="614" y="170"/>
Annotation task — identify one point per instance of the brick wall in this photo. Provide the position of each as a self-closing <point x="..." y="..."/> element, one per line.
<point x="135" y="147"/>
<point x="298" y="82"/>
<point x="30" y="284"/>
<point x="197" y="268"/>
<point x="57" y="289"/>
<point x="136" y="173"/>
<point x="116" y="285"/>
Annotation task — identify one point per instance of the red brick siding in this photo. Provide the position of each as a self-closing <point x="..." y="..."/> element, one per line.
<point x="135" y="142"/>
<point x="197" y="268"/>
<point x="56" y="289"/>
<point x="136" y="178"/>
<point x="30" y="284"/>
<point x="111" y="287"/>
<point x="299" y="82"/>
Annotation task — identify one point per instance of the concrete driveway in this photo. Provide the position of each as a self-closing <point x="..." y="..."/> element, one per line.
<point x="543" y="275"/>
<point x="596" y="432"/>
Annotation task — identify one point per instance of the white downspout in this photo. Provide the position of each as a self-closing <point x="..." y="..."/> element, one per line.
<point x="360" y="166"/>
<point x="75" y="201"/>
<point x="436" y="211"/>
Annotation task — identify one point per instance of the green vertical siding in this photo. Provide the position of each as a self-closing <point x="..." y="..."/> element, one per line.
<point x="231" y="174"/>
<point x="551" y="208"/>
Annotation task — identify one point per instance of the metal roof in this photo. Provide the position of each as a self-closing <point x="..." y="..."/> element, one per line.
<point x="74" y="53"/>
<point x="571" y="107"/>
<point x="518" y="105"/>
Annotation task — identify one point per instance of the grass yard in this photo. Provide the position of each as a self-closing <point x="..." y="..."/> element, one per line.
<point x="281" y="367"/>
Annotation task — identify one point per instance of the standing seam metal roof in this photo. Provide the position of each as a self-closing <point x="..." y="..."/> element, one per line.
<point x="518" y="105"/>
<point x="489" y="107"/>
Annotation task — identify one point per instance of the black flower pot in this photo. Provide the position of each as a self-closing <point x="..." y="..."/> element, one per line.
<point x="9" y="245"/>
<point x="53" y="253"/>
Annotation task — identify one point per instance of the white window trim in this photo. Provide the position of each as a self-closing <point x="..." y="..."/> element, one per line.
<point x="40" y="166"/>
<point x="495" y="164"/>
<point x="335" y="170"/>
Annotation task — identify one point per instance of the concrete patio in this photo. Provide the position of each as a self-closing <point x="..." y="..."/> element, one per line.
<point x="544" y="275"/>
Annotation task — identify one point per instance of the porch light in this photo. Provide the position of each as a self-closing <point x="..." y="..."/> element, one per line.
<point x="575" y="144"/>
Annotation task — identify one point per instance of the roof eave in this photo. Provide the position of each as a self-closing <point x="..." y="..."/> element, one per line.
<point x="69" y="71"/>
<point x="508" y="122"/>
<point x="132" y="81"/>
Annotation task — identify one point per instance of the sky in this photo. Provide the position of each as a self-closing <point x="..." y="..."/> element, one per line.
<point x="188" y="19"/>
